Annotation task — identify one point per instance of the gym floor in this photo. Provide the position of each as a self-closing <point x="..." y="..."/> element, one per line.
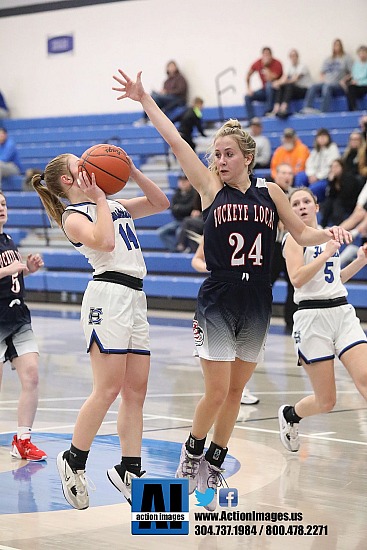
<point x="325" y="482"/>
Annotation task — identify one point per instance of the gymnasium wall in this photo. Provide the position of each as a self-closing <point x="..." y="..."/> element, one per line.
<point x="205" y="37"/>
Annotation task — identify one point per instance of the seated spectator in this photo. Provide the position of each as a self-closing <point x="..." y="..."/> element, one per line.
<point x="318" y="164"/>
<point x="334" y="71"/>
<point x="182" y="204"/>
<point x="27" y="181"/>
<point x="9" y="159"/>
<point x="189" y="120"/>
<point x="263" y="145"/>
<point x="293" y="84"/>
<point x="4" y="111"/>
<point x="284" y="179"/>
<point x="173" y="93"/>
<point x="341" y="195"/>
<point x="269" y="70"/>
<point x="292" y="151"/>
<point x="192" y="228"/>
<point x="357" y="84"/>
<point x="355" y="156"/>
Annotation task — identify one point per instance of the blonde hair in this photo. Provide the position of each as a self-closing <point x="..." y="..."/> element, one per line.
<point x="245" y="142"/>
<point x="51" y="193"/>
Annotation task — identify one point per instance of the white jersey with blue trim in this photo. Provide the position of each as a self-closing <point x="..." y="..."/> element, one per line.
<point x="127" y="256"/>
<point x="326" y="284"/>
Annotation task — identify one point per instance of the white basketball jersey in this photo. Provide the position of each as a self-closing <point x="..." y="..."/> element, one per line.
<point x="127" y="256"/>
<point x="326" y="284"/>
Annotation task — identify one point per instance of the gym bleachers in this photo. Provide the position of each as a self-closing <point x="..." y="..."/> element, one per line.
<point x="170" y="276"/>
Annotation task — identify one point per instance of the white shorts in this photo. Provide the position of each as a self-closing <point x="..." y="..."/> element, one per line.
<point x="17" y="344"/>
<point x="115" y="317"/>
<point x="320" y="334"/>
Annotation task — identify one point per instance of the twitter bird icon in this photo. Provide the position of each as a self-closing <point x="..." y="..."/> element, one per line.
<point x="204" y="498"/>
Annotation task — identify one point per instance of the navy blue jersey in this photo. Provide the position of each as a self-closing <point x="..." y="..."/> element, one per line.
<point x="12" y="286"/>
<point x="240" y="230"/>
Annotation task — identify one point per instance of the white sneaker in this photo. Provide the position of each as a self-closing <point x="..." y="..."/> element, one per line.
<point x="122" y="479"/>
<point x="247" y="398"/>
<point x="288" y="432"/>
<point x="210" y="477"/>
<point x="189" y="468"/>
<point x="74" y="484"/>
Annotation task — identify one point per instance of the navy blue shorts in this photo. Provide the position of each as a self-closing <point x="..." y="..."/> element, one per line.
<point x="232" y="319"/>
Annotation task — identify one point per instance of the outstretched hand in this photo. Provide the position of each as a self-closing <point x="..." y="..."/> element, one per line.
<point x="129" y="88"/>
<point x="339" y="234"/>
<point x="34" y="262"/>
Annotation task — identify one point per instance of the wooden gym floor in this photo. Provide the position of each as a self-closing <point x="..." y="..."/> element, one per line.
<point x="326" y="481"/>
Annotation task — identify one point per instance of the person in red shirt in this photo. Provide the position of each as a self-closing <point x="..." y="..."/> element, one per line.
<point x="269" y="70"/>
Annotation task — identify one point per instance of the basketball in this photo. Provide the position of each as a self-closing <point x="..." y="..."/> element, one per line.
<point x="109" y="164"/>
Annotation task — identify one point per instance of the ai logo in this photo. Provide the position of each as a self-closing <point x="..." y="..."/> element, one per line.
<point x="160" y="507"/>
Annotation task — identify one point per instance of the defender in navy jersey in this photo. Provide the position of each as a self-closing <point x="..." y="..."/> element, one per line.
<point x="17" y="342"/>
<point x="234" y="303"/>
<point x="113" y="315"/>
<point x="325" y="325"/>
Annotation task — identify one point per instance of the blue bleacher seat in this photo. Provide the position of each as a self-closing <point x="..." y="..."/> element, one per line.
<point x="12" y="183"/>
<point x="169" y="275"/>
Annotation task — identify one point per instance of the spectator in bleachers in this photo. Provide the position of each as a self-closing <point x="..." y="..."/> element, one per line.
<point x="173" y="93"/>
<point x="17" y="341"/>
<point x="284" y="179"/>
<point x="341" y="195"/>
<point x="355" y="156"/>
<point x="292" y="151"/>
<point x="318" y="164"/>
<point x="191" y="118"/>
<point x="4" y="111"/>
<point x="27" y="180"/>
<point x="334" y="71"/>
<point x="182" y="204"/>
<point x="263" y="145"/>
<point x="357" y="84"/>
<point x="363" y="125"/>
<point x="356" y="223"/>
<point x="269" y="70"/>
<point x="192" y="227"/>
<point x="293" y="84"/>
<point x="9" y="159"/>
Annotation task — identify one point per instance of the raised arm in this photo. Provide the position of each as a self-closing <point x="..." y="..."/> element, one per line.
<point x="154" y="200"/>
<point x="199" y="176"/>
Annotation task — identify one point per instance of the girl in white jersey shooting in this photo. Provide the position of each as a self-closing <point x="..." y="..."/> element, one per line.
<point x="325" y="324"/>
<point x="114" y="313"/>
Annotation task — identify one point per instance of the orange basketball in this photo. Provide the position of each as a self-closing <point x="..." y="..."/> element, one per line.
<point x="109" y="164"/>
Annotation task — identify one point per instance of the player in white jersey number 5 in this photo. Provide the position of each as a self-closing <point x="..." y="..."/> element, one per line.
<point x="325" y="325"/>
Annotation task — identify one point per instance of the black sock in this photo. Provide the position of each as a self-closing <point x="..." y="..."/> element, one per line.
<point x="195" y="446"/>
<point x="132" y="464"/>
<point x="215" y="455"/>
<point x="76" y="458"/>
<point x="290" y="415"/>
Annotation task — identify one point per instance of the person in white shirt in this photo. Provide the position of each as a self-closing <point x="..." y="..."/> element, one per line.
<point x="293" y="84"/>
<point x="325" y="325"/>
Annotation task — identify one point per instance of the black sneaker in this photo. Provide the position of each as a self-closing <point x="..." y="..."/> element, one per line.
<point x="121" y="479"/>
